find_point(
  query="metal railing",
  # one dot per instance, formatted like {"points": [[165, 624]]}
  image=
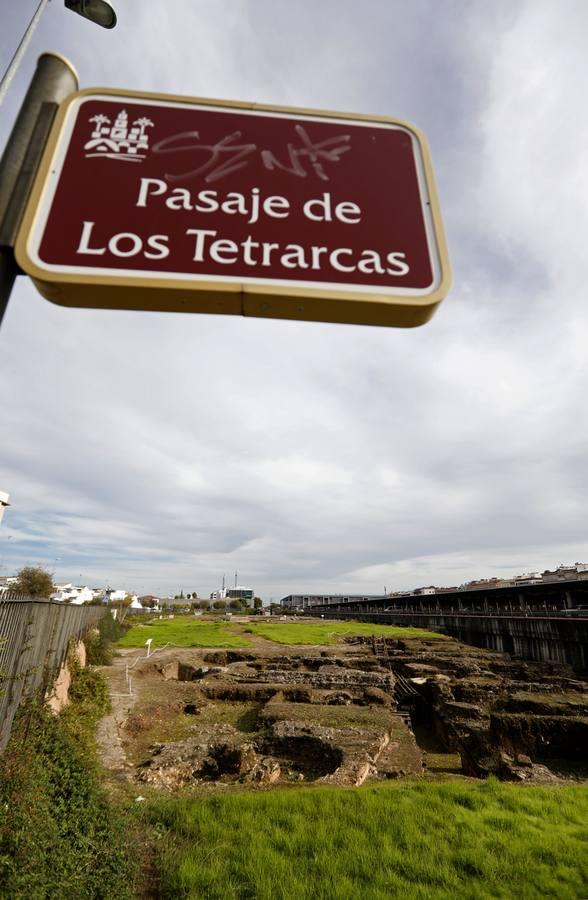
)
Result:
{"points": [[34, 639]]}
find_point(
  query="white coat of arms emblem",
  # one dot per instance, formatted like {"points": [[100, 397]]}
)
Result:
{"points": [[119, 140]]}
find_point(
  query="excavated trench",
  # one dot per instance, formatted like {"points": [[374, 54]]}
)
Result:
{"points": [[348, 715]]}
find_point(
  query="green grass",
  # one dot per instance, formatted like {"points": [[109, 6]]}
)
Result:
{"points": [[369, 717], [187, 632], [415, 840], [182, 632], [330, 632]]}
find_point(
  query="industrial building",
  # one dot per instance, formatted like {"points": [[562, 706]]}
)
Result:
{"points": [[306, 601]]}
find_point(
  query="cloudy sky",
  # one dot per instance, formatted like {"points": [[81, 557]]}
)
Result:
{"points": [[158, 451]]}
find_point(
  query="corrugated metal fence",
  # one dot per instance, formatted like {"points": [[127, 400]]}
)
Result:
{"points": [[34, 640]]}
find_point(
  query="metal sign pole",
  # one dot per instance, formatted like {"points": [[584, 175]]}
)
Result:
{"points": [[20, 51], [54, 79]]}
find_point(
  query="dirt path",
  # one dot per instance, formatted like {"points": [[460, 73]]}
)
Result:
{"points": [[108, 732]]}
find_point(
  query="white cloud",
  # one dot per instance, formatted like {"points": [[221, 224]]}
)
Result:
{"points": [[164, 450]]}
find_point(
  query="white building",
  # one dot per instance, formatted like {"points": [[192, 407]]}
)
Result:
{"points": [[75, 594], [7, 583], [112, 596]]}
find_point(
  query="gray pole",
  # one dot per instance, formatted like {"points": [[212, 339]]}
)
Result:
{"points": [[54, 79], [20, 51]]}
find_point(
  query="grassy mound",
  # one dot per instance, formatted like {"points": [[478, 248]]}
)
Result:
{"points": [[330, 632], [417, 840], [182, 632]]}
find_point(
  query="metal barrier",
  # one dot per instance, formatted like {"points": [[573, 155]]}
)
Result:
{"points": [[34, 639]]}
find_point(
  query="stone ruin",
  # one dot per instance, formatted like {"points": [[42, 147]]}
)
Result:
{"points": [[346, 715], [320, 719], [520, 721]]}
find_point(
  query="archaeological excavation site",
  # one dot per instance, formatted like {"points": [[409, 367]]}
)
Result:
{"points": [[361, 710]]}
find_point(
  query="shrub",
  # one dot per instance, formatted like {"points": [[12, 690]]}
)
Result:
{"points": [[59, 835], [99, 642], [34, 581]]}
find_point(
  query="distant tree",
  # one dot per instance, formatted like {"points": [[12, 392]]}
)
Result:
{"points": [[123, 607], [181, 595], [194, 595], [219, 604], [257, 604], [235, 605], [204, 604], [148, 602], [34, 581]]}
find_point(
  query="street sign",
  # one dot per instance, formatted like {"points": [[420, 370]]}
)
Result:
{"points": [[153, 202]]}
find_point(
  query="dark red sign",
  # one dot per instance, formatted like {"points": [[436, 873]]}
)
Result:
{"points": [[214, 201]]}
